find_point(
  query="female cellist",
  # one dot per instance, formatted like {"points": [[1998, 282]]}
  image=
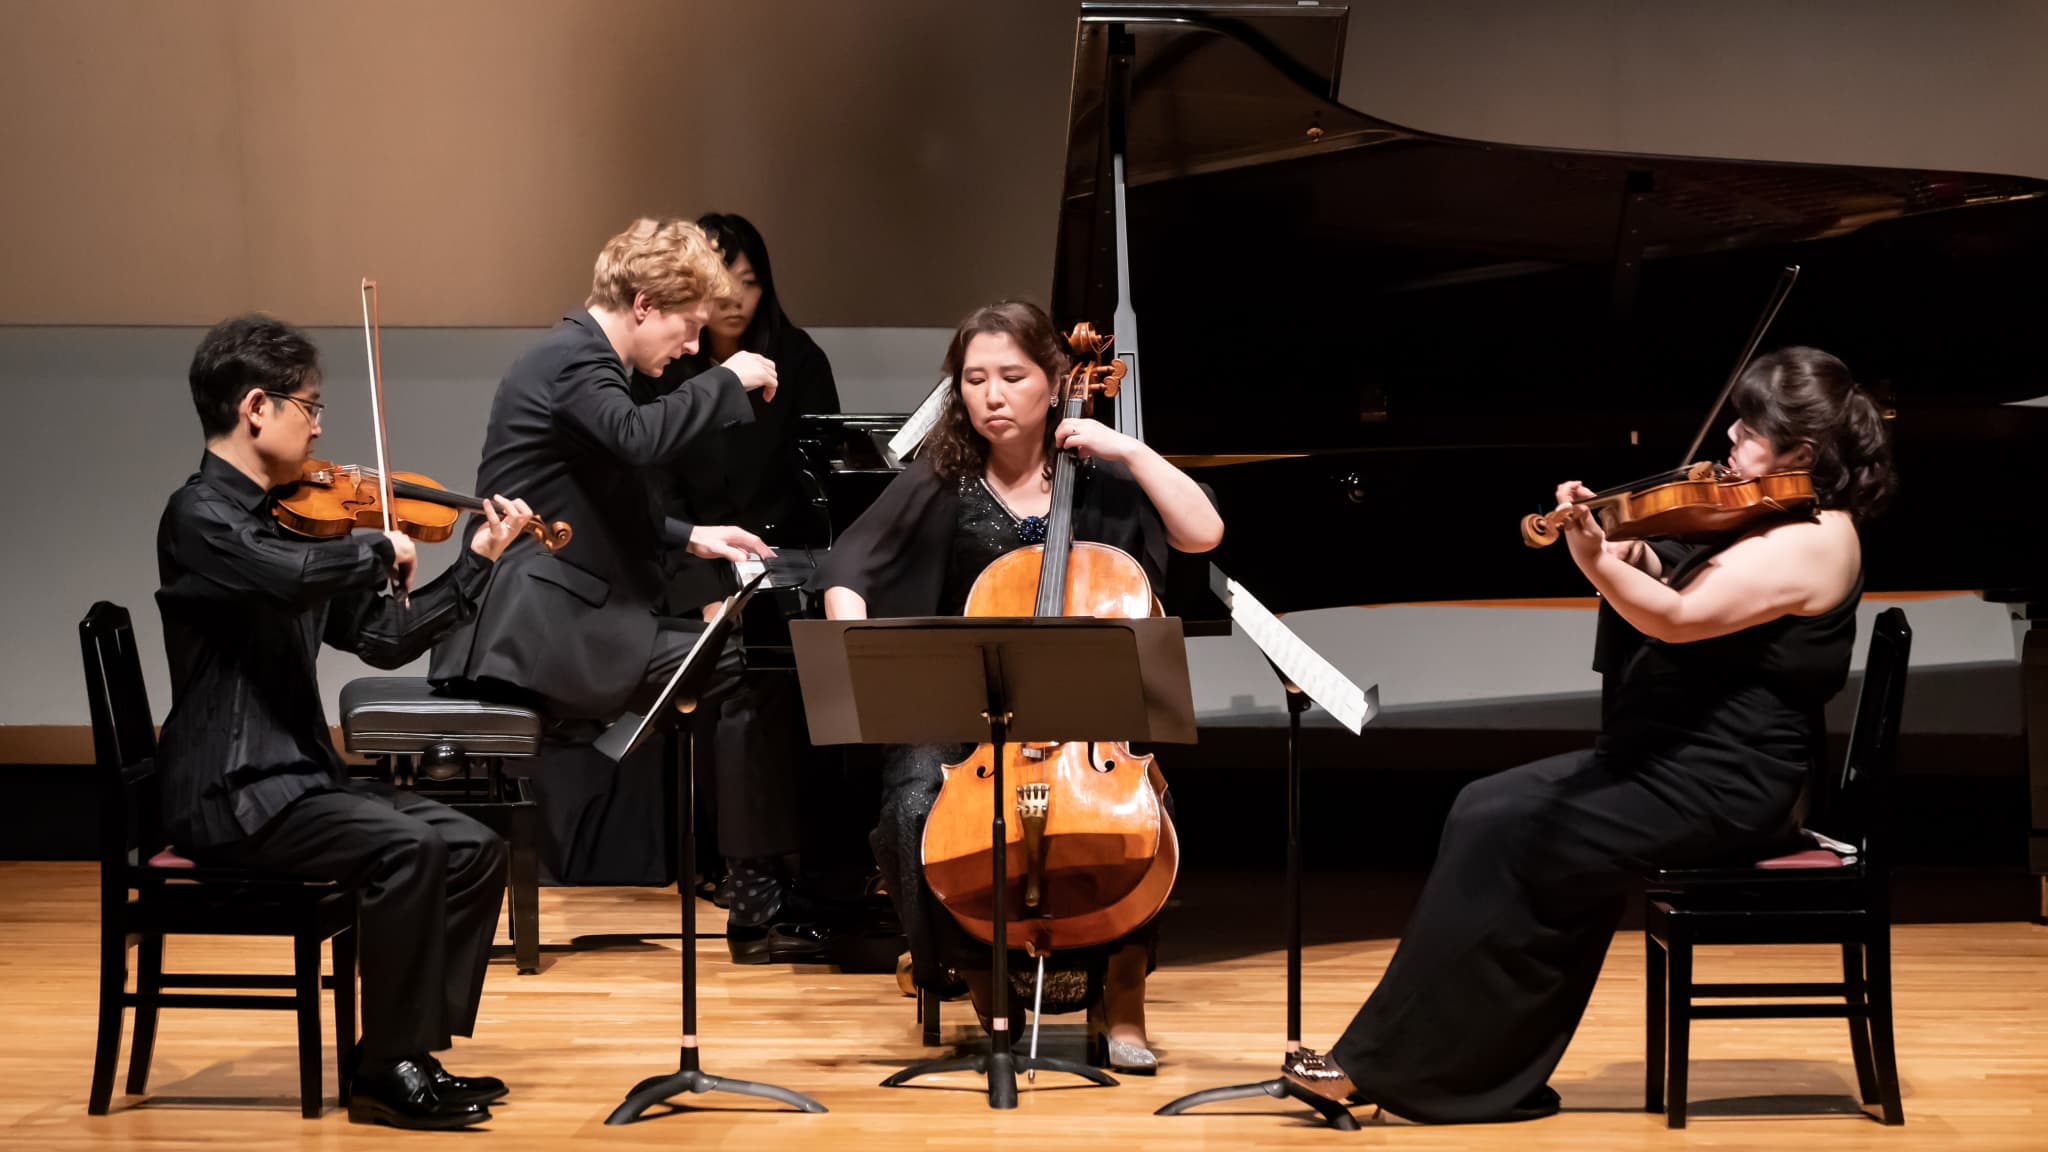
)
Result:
{"points": [[1711, 725], [980, 488]]}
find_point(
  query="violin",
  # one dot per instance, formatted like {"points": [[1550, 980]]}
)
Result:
{"points": [[335, 499], [331, 500], [1093, 853], [1696, 501]]}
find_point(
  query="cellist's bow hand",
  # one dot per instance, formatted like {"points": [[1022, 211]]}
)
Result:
{"points": [[504, 520]]}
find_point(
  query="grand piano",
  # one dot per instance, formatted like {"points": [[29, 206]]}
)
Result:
{"points": [[1357, 332]]}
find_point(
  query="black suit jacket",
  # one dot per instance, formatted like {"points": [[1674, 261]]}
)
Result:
{"points": [[576, 628], [751, 474]]}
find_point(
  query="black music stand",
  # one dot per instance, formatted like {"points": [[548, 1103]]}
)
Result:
{"points": [[678, 698], [999, 679], [1280, 1087]]}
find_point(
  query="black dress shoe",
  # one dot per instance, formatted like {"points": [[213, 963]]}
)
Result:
{"points": [[402, 1095], [787, 942], [455, 1089]]}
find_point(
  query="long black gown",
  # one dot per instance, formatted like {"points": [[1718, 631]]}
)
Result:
{"points": [[1704, 755], [916, 552]]}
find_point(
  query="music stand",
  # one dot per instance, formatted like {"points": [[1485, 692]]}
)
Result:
{"points": [[1291, 661], [1000, 680], [679, 697]]}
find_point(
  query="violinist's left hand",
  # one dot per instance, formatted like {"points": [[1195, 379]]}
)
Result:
{"points": [[1582, 533], [1094, 438], [504, 520]]}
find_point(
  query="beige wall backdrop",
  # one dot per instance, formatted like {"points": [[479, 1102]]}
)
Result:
{"points": [[172, 161]]}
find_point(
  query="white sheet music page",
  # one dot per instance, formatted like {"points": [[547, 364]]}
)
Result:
{"points": [[908, 437], [1351, 705]]}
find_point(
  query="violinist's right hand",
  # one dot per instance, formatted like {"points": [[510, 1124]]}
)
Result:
{"points": [[404, 557], [754, 371]]}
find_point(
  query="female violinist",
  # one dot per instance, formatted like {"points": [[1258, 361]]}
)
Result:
{"points": [[1711, 726], [980, 488]]}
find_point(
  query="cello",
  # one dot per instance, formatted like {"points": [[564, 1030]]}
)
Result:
{"points": [[1092, 854]]}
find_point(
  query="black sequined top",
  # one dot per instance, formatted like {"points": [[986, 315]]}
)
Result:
{"points": [[919, 546]]}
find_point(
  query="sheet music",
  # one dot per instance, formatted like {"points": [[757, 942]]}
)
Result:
{"points": [[913, 432], [1352, 706]]}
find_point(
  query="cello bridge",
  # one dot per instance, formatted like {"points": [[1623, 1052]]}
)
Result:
{"points": [[1033, 801]]}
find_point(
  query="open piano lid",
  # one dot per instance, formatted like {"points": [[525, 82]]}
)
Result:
{"points": [[1380, 319]]}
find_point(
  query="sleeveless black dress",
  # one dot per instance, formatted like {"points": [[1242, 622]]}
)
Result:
{"points": [[1704, 756]]}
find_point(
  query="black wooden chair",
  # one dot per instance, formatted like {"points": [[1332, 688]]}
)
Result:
{"points": [[148, 892], [1837, 892]]}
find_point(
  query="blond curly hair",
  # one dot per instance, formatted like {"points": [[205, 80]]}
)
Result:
{"points": [[671, 260]]}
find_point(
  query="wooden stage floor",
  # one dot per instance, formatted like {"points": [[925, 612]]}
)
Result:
{"points": [[602, 1014]]}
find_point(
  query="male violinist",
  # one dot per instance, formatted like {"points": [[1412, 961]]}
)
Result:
{"points": [[249, 772]]}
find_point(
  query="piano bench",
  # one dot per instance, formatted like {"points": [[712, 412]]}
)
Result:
{"points": [[435, 744]]}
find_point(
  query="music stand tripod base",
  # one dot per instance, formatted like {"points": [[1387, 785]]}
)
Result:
{"points": [[1280, 1087], [678, 698]]}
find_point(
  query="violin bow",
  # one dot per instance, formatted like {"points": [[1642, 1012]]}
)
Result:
{"points": [[1763, 323], [373, 348]]}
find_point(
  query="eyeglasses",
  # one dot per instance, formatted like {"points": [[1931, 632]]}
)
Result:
{"points": [[312, 408]]}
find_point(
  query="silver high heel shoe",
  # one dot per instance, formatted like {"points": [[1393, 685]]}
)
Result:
{"points": [[1116, 1055]]}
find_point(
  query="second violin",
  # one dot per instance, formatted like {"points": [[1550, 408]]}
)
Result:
{"points": [[1702, 501]]}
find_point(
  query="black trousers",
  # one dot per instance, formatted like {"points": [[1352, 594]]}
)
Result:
{"points": [[609, 823], [430, 882], [1490, 980], [745, 762]]}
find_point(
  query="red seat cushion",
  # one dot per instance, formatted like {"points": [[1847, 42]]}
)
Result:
{"points": [[1811, 858], [169, 858]]}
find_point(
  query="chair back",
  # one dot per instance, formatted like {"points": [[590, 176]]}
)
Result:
{"points": [[1852, 800], [123, 739]]}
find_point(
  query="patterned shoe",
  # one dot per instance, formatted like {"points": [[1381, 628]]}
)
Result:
{"points": [[1319, 1074]]}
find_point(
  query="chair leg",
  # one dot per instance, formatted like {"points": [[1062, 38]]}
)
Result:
{"points": [[344, 1013], [522, 884], [928, 1015], [1679, 1029], [1653, 1023], [306, 969], [1877, 959], [1854, 992], [113, 988], [149, 984]]}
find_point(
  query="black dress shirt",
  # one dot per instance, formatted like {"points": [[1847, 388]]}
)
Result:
{"points": [[245, 607]]}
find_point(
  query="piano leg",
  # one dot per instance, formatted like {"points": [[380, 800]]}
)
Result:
{"points": [[2034, 697]]}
